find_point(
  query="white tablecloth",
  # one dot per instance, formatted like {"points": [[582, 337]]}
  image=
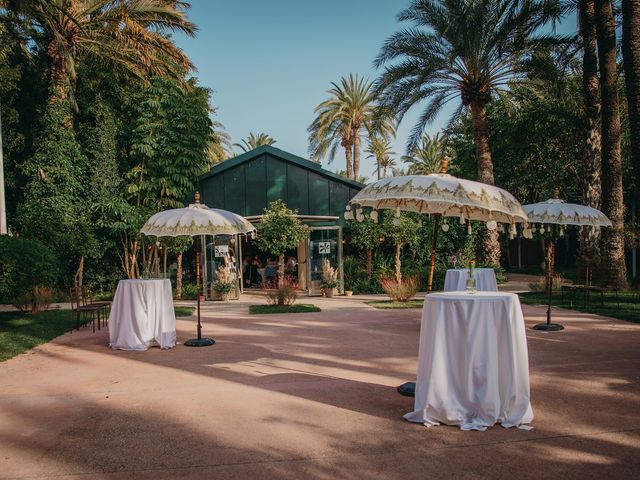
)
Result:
{"points": [[473, 367], [456, 280], [142, 315]]}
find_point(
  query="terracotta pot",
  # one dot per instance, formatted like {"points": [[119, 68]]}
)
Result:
{"points": [[348, 293], [329, 292]]}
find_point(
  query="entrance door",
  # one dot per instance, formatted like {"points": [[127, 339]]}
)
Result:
{"points": [[324, 243]]}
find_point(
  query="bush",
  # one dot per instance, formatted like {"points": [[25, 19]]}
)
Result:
{"points": [[25, 265], [37, 300], [189, 291], [400, 291], [285, 294], [541, 284]]}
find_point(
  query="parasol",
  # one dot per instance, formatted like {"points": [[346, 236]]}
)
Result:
{"points": [[442, 195], [196, 219], [557, 212]]}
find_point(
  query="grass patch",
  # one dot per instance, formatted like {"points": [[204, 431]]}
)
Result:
{"points": [[21, 331], [184, 311], [390, 304], [629, 303], [295, 308]]}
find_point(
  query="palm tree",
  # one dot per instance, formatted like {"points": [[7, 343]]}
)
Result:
{"points": [[631, 57], [592, 188], [380, 149], [390, 163], [458, 49], [426, 158], [131, 36], [254, 141], [612, 199], [341, 119]]}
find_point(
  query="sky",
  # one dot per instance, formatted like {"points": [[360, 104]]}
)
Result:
{"points": [[270, 63]]}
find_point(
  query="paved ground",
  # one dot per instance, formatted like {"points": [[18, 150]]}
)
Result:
{"points": [[310, 396]]}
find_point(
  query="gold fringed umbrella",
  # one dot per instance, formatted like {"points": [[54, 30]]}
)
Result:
{"points": [[558, 214], [441, 195], [194, 220]]}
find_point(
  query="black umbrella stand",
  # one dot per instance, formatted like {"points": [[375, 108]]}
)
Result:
{"points": [[549, 326], [199, 342]]}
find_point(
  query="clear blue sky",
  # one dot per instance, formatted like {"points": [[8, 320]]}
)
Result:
{"points": [[270, 63]]}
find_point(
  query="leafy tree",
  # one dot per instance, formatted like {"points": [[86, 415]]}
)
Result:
{"points": [[367, 236], [280, 230], [458, 49], [54, 210], [401, 229], [341, 119], [254, 141]]}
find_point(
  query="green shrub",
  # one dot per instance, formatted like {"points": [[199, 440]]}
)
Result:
{"points": [[189, 291], [25, 265]]}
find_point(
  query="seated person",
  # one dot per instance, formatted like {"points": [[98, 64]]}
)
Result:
{"points": [[290, 267]]}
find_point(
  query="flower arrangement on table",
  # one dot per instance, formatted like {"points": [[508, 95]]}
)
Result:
{"points": [[471, 279], [224, 284], [329, 280]]}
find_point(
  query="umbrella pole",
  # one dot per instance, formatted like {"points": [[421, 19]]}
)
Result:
{"points": [[199, 342], [408, 389], [548, 326], [432, 260]]}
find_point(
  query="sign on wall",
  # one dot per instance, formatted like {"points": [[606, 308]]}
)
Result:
{"points": [[324, 248], [221, 250]]}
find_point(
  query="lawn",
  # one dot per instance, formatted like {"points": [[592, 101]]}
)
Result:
{"points": [[184, 311], [21, 331], [629, 304], [390, 304], [296, 308]]}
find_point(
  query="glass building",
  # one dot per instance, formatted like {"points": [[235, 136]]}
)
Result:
{"points": [[247, 184]]}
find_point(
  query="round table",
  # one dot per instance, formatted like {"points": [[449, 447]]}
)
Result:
{"points": [[142, 315], [473, 367], [456, 280]]}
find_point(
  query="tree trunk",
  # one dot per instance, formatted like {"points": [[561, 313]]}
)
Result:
{"points": [[347, 155], [591, 180], [398, 264], [612, 200], [488, 245], [57, 73], [356, 153], [280, 270], [369, 264], [77, 280], [179, 277], [631, 61], [378, 168]]}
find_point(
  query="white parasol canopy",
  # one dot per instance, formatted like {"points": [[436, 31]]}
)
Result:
{"points": [[556, 211], [196, 219], [443, 194]]}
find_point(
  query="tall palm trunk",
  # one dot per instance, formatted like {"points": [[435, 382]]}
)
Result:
{"points": [[378, 167], [612, 200], [356, 153], [631, 57], [348, 158], [591, 180], [488, 247]]}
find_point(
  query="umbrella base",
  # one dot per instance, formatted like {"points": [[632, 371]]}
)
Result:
{"points": [[549, 327], [199, 342], [407, 389]]}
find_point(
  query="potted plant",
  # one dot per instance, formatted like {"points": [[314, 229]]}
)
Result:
{"points": [[329, 282], [224, 284]]}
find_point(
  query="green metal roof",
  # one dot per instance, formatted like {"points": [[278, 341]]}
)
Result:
{"points": [[281, 154]]}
